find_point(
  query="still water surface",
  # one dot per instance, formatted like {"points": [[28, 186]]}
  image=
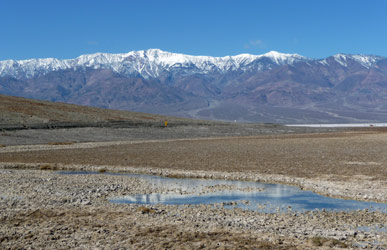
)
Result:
{"points": [[261, 197]]}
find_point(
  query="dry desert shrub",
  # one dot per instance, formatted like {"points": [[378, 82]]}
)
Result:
{"points": [[146, 210], [2, 146], [61, 143], [47, 167], [176, 176], [327, 242]]}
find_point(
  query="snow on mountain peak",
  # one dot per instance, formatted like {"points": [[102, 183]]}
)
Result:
{"points": [[341, 59], [277, 54], [152, 62], [366, 61], [282, 58]]}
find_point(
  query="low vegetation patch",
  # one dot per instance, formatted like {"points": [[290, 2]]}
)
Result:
{"points": [[176, 176], [2, 146], [146, 210], [102, 170], [61, 143], [327, 242], [47, 167]]}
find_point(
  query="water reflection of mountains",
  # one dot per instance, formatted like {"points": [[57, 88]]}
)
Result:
{"points": [[279, 198], [272, 191], [274, 196]]}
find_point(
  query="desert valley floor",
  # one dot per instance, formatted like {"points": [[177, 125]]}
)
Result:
{"points": [[43, 209]]}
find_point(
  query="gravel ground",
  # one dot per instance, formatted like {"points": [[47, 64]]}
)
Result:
{"points": [[108, 134], [345, 164], [42, 209]]}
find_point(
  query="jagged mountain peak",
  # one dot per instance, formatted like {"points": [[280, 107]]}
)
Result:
{"points": [[283, 58], [245, 87], [148, 63], [151, 63], [277, 54], [366, 61]]}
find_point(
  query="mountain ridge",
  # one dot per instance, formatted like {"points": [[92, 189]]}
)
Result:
{"points": [[272, 87], [119, 62]]}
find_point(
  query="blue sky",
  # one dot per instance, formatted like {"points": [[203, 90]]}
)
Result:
{"points": [[313, 28]]}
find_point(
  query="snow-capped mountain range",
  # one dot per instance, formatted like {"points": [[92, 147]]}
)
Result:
{"points": [[147, 63], [272, 87], [152, 62]]}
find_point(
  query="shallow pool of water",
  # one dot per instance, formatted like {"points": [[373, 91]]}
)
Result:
{"points": [[257, 196]]}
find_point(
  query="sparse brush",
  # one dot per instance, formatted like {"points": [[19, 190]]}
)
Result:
{"points": [[173, 176], [46, 167], [2, 146], [60, 143], [146, 210], [102, 170], [322, 241]]}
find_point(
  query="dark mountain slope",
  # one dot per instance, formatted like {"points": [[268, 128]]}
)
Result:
{"points": [[273, 87]]}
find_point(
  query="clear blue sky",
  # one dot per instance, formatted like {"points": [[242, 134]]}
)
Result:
{"points": [[313, 28]]}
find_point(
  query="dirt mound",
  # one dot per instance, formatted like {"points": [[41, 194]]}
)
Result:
{"points": [[20, 113]]}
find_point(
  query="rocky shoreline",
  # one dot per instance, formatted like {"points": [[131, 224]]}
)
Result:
{"points": [[360, 188], [42, 209]]}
